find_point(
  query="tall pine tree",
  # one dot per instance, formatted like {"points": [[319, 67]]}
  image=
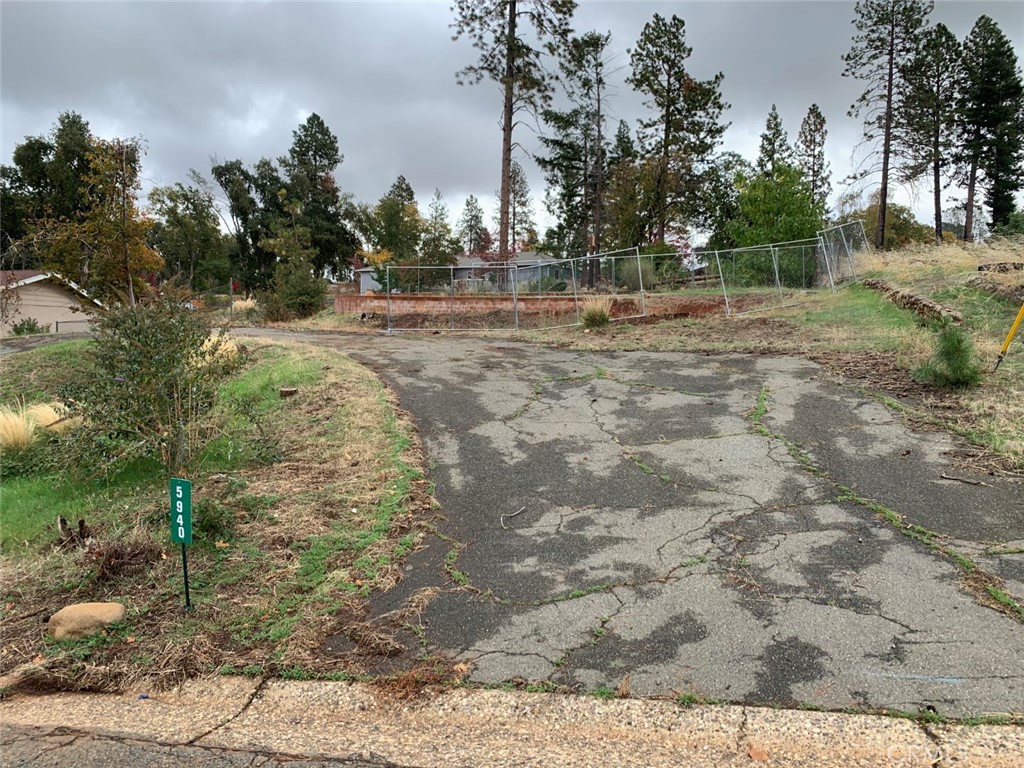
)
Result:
{"points": [[926, 112], [512, 37], [992, 122], [685, 128], [809, 155], [775, 150], [886, 39]]}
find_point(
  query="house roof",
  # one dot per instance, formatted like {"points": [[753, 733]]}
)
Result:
{"points": [[16, 278]]}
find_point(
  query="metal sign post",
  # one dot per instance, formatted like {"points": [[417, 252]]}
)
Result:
{"points": [[181, 524]]}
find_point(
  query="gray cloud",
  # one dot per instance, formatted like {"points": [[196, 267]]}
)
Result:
{"points": [[230, 80]]}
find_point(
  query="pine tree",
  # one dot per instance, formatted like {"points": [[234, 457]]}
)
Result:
{"points": [[809, 155], [472, 233], [992, 122], [886, 38], [926, 112], [499, 31], [686, 127], [575, 164], [775, 149], [439, 246]]}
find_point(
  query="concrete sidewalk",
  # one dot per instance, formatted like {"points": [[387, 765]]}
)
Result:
{"points": [[250, 722]]}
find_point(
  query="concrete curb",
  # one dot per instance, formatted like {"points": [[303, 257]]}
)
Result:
{"points": [[356, 722]]}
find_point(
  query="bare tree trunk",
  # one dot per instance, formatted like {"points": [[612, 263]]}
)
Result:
{"points": [[937, 192], [124, 225], [972, 183], [883, 194], [506, 135]]}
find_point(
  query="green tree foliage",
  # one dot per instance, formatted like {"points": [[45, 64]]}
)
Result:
{"points": [[886, 39], [992, 122], [575, 162], [520, 209], [721, 196], [256, 207], [902, 230], [775, 150], [774, 209], [45, 183], [298, 288], [686, 125], [926, 112], [512, 37], [809, 155], [439, 246], [472, 233], [104, 247], [394, 224], [187, 234]]}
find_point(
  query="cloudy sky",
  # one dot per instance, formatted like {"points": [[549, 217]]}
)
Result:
{"points": [[225, 80]]}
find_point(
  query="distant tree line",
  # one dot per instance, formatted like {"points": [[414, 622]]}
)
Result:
{"points": [[934, 109]]}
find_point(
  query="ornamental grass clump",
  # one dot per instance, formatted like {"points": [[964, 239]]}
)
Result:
{"points": [[597, 311]]}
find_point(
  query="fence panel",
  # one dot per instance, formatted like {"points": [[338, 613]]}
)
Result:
{"points": [[513, 296]]}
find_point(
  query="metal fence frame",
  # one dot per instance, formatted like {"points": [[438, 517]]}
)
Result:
{"points": [[511, 283], [831, 252]]}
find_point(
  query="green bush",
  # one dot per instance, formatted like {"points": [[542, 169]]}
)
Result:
{"points": [[28, 326], [626, 272], [296, 292], [152, 381], [953, 364]]}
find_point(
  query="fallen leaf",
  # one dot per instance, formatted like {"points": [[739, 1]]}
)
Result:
{"points": [[221, 544], [129, 639]]}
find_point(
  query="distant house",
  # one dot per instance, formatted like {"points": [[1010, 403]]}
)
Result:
{"points": [[473, 273], [46, 297]]}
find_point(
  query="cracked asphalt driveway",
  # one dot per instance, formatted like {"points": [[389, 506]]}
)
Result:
{"points": [[708, 526]]}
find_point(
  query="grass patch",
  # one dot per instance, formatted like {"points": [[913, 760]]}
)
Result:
{"points": [[38, 374], [283, 554]]}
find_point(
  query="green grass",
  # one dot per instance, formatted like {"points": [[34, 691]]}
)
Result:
{"points": [[36, 375], [29, 506]]}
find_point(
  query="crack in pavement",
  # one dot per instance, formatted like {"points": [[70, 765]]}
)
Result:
{"points": [[253, 695]]}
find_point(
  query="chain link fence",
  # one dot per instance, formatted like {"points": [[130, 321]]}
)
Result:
{"points": [[513, 295], [767, 277]]}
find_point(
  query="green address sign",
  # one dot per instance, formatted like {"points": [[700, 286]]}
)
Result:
{"points": [[181, 511]]}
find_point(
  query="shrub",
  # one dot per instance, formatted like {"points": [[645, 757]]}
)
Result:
{"points": [[597, 311], [953, 364], [296, 292], [629, 273], [153, 379], [28, 326]]}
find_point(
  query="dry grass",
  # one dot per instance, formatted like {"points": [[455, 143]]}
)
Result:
{"points": [[53, 417], [16, 431], [596, 311], [243, 305], [225, 349]]}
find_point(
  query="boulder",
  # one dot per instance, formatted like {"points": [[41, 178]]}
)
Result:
{"points": [[83, 619]]}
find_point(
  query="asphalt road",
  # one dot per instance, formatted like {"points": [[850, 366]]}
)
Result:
{"points": [[708, 526]]}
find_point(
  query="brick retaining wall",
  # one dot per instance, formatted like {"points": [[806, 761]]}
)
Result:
{"points": [[403, 304]]}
